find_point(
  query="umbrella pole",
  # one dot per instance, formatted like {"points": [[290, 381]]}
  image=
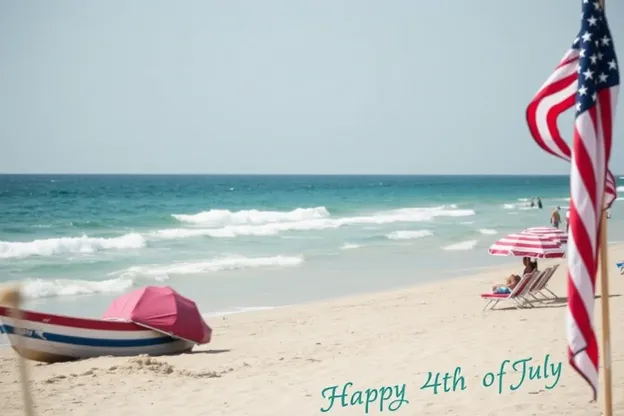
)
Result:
{"points": [[12, 298]]}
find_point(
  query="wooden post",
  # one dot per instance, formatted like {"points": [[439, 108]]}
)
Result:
{"points": [[606, 330], [604, 296], [12, 298]]}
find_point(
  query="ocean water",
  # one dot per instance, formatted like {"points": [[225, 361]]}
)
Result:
{"points": [[235, 243]]}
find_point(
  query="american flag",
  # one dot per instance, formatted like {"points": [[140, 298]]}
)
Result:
{"points": [[558, 94], [587, 79]]}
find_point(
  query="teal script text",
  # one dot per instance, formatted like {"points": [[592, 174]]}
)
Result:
{"points": [[511, 375], [523, 370], [389, 398]]}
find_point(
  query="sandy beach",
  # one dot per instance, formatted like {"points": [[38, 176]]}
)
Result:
{"points": [[278, 362]]}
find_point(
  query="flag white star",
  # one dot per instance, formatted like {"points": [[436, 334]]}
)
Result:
{"points": [[592, 21], [594, 97], [578, 106], [586, 36], [582, 53], [605, 41], [603, 77], [589, 74], [612, 65], [597, 5], [600, 55], [593, 59], [582, 90]]}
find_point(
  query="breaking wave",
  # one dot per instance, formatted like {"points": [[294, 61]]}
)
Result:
{"points": [[41, 288], [409, 235], [464, 245], [239, 223], [164, 272], [488, 231], [123, 280], [84, 244], [317, 221], [223, 217]]}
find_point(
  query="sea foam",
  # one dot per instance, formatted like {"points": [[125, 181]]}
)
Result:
{"points": [[123, 280], [313, 224], [84, 244], [164, 272], [222, 217], [464, 245], [409, 235], [40, 288]]}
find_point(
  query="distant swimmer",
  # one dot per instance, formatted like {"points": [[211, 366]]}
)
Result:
{"points": [[555, 218], [539, 202], [532, 204]]}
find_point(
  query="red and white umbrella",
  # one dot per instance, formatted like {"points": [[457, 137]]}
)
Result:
{"points": [[549, 232], [527, 245]]}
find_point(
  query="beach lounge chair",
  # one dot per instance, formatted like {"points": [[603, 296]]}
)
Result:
{"points": [[538, 282], [518, 295], [541, 286]]}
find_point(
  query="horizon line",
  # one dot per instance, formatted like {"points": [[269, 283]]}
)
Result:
{"points": [[270, 174]]}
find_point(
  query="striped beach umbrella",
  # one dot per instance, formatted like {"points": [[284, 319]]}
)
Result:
{"points": [[549, 232], [527, 245]]}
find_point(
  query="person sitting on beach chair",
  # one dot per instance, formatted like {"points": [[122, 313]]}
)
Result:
{"points": [[513, 279], [509, 285], [529, 265]]}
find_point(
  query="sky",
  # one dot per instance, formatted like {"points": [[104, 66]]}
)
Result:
{"points": [[282, 86]]}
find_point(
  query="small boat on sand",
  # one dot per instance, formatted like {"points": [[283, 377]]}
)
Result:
{"points": [[152, 320], [54, 338]]}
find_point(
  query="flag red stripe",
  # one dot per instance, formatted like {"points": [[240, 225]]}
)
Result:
{"points": [[604, 102]]}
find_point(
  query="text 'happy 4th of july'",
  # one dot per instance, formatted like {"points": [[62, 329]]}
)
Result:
{"points": [[510, 376]]}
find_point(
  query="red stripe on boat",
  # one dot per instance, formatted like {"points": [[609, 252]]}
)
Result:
{"points": [[81, 323]]}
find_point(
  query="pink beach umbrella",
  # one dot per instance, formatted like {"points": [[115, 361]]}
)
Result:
{"points": [[161, 309], [527, 245], [549, 232]]}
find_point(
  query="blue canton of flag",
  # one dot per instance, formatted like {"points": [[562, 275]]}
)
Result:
{"points": [[598, 67]]}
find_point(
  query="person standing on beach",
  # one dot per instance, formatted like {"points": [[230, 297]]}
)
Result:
{"points": [[567, 219], [555, 218], [539, 202]]}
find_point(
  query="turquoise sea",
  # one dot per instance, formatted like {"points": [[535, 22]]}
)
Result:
{"points": [[235, 243]]}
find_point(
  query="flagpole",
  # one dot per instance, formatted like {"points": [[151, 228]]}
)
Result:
{"points": [[606, 331], [12, 298], [604, 295]]}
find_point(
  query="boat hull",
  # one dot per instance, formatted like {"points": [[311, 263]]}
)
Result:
{"points": [[55, 338]]}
